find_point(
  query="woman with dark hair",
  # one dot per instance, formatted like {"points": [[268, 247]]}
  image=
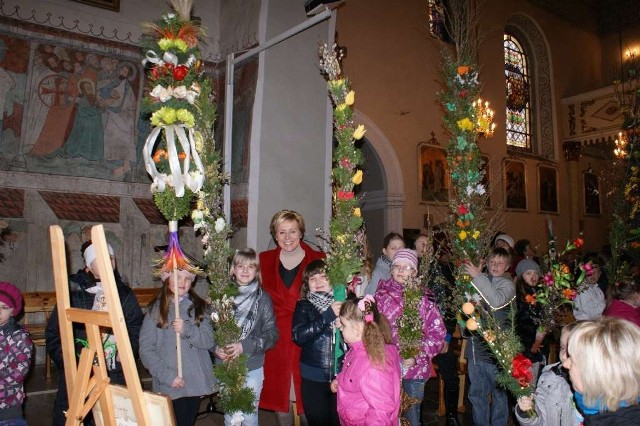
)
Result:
{"points": [[282, 270], [391, 244]]}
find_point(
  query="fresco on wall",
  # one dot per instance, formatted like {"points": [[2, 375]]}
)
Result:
{"points": [[70, 111]]}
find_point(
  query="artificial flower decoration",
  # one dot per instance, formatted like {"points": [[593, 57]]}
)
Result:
{"points": [[521, 370], [357, 178], [462, 69], [465, 124], [343, 246]]}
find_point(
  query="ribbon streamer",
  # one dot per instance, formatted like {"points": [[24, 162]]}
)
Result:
{"points": [[179, 176]]}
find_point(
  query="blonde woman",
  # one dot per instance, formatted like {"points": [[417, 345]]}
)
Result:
{"points": [[604, 366]]}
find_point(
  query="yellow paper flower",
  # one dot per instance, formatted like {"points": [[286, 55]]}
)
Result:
{"points": [[351, 98], [359, 132], [341, 238], [462, 235], [356, 212], [186, 117], [341, 107], [181, 45], [476, 235], [337, 84], [163, 116], [357, 178], [465, 124]]}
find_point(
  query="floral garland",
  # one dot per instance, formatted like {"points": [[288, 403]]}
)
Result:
{"points": [[180, 101], [468, 199], [343, 259], [344, 251]]}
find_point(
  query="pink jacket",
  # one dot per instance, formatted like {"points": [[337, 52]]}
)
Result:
{"points": [[620, 309], [369, 395], [389, 297]]}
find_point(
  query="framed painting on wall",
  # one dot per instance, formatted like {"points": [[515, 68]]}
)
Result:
{"points": [[591, 192], [105, 4], [547, 189], [433, 174], [515, 184]]}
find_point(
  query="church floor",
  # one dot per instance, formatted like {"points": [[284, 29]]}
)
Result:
{"points": [[40, 397]]}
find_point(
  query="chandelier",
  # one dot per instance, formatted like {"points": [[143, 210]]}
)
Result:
{"points": [[620, 151], [484, 118]]}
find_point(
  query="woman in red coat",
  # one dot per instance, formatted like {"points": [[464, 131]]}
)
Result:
{"points": [[282, 270]]}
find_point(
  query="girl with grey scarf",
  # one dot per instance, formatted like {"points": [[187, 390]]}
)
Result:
{"points": [[254, 315]]}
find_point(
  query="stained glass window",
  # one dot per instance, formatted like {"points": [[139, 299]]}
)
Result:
{"points": [[437, 16], [516, 72]]}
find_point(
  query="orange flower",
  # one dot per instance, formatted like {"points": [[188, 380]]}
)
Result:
{"points": [[159, 155], [463, 69], [182, 156], [569, 293], [530, 299], [565, 269]]}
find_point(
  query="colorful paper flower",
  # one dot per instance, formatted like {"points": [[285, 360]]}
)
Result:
{"points": [[462, 209], [357, 178], [358, 133], [465, 124], [521, 370], [350, 98], [345, 195], [357, 212], [462, 69], [462, 235]]}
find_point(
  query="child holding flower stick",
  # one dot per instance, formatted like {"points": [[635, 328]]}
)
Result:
{"points": [[416, 325], [257, 329], [528, 312], [369, 384]]}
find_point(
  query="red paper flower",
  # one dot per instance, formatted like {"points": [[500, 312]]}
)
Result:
{"points": [[463, 93], [530, 299], [578, 242], [521, 370], [569, 293], [346, 163], [180, 72], [345, 195], [462, 209]]}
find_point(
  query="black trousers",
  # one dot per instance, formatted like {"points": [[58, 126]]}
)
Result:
{"points": [[186, 410], [320, 404]]}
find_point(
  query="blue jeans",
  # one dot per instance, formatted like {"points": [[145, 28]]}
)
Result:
{"points": [[254, 381], [18, 421], [415, 389], [482, 383]]}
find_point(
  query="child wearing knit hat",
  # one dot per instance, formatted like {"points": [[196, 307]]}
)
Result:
{"points": [[527, 312], [15, 355], [391, 303]]}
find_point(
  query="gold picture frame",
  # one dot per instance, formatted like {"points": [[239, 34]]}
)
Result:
{"points": [[547, 189], [433, 174], [515, 184]]}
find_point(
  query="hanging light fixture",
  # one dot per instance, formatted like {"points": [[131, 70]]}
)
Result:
{"points": [[484, 118], [620, 151]]}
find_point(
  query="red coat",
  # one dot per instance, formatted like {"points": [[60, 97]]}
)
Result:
{"points": [[283, 360]]}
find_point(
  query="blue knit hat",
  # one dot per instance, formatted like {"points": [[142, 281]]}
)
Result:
{"points": [[408, 256]]}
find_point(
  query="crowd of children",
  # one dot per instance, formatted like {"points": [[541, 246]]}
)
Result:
{"points": [[595, 381]]}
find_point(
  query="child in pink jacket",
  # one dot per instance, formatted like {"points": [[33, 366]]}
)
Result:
{"points": [[369, 384]]}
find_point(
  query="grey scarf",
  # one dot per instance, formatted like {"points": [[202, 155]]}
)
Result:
{"points": [[320, 300], [246, 303]]}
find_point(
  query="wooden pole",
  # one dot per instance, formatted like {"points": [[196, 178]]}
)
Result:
{"points": [[173, 227]]}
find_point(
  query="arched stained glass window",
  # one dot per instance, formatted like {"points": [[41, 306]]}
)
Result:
{"points": [[516, 72]]}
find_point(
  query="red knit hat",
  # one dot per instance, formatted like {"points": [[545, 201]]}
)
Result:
{"points": [[10, 295]]}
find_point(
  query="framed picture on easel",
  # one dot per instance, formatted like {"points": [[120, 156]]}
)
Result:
{"points": [[105, 4]]}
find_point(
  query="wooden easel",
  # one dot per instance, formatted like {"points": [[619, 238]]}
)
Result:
{"points": [[88, 382]]}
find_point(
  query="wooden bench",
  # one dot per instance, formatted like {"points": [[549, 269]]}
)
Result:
{"points": [[37, 309], [38, 306]]}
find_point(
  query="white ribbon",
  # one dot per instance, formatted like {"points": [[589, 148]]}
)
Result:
{"points": [[179, 177], [152, 57], [170, 58]]}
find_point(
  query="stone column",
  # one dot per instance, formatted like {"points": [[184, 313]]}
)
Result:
{"points": [[572, 153]]}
